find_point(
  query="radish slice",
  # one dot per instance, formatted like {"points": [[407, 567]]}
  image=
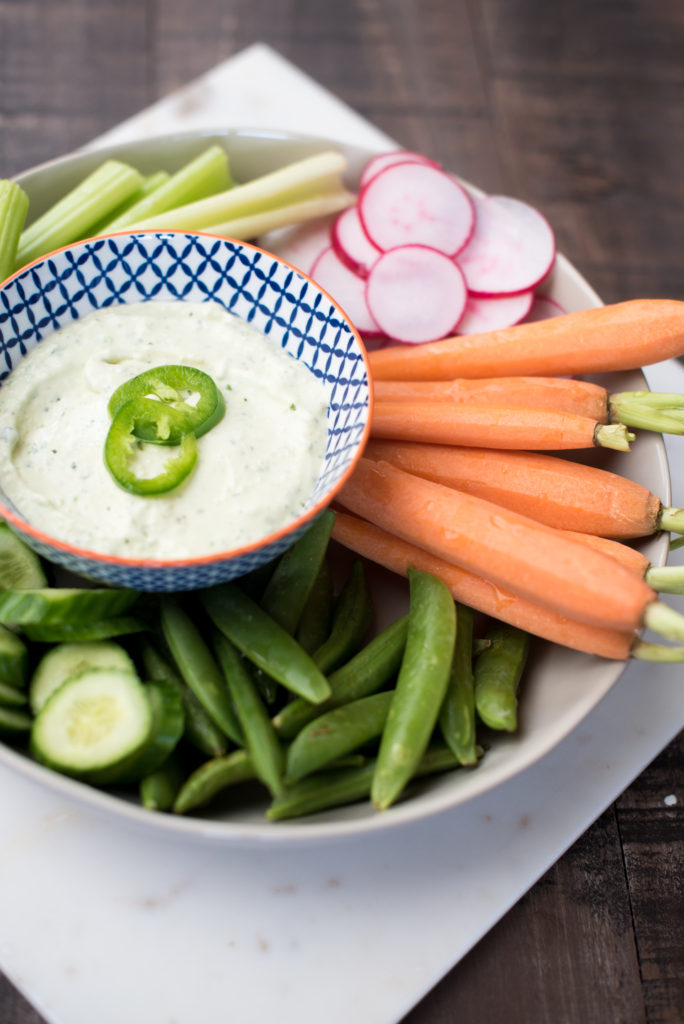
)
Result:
{"points": [[416, 294], [346, 288], [512, 248], [491, 313], [300, 244], [397, 156], [416, 204], [543, 308], [351, 243]]}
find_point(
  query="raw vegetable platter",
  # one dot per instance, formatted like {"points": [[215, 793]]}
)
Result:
{"points": [[560, 686]]}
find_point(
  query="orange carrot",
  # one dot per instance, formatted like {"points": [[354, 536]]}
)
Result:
{"points": [[547, 488], [493, 426], [623, 336], [509, 550], [398, 555], [581, 397], [634, 560]]}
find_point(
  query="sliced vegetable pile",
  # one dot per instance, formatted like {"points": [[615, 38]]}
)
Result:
{"points": [[271, 680]]}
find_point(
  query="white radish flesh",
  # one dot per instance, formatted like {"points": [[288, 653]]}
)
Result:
{"points": [[416, 294], [493, 312], [512, 248], [397, 156], [351, 243], [346, 288], [416, 204]]}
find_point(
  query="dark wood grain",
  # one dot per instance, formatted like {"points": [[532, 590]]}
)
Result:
{"points": [[574, 106]]}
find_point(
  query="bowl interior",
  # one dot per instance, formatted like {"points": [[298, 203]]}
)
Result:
{"points": [[561, 687]]}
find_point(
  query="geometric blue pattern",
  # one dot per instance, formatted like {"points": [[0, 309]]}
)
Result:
{"points": [[165, 265]]}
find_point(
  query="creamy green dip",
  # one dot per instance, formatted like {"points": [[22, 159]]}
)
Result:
{"points": [[256, 468]]}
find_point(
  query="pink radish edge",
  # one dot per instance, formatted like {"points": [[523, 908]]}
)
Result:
{"points": [[347, 289], [396, 156], [494, 312], [351, 243]]}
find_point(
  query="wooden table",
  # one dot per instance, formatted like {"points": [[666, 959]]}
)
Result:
{"points": [[576, 107]]}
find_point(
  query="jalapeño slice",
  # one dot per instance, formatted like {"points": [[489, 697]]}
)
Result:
{"points": [[173, 385], [123, 444]]}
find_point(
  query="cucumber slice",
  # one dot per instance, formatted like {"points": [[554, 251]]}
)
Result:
{"points": [[14, 722], [95, 720], [70, 659], [20, 566], [10, 697], [122, 625], [13, 658], [63, 605]]}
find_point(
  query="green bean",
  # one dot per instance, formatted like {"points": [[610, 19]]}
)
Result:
{"points": [[211, 777], [159, 789], [260, 739], [368, 671], [421, 685], [333, 788], [10, 696], [288, 589], [200, 730], [335, 734], [199, 669], [457, 714], [264, 642], [498, 671], [351, 620], [314, 625]]}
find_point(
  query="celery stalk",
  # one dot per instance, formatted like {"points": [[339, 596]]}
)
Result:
{"points": [[13, 209], [73, 217], [150, 183], [314, 176], [255, 224], [203, 176]]}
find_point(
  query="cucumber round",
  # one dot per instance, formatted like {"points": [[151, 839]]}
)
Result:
{"points": [[20, 566], [70, 659], [95, 720]]}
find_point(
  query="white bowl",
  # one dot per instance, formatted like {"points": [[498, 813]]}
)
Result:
{"points": [[561, 687]]}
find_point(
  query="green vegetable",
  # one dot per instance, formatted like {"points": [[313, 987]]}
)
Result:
{"points": [[159, 789], [151, 182], [211, 777], [457, 714], [421, 685], [264, 642], [10, 696], [198, 668], [20, 566], [169, 384], [70, 659], [292, 581], [335, 734], [316, 620], [122, 447], [13, 658], [13, 209], [73, 217], [83, 632], [351, 620], [14, 722], [63, 606], [498, 671]]}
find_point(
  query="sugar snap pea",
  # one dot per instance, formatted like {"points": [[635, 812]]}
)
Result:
{"points": [[159, 789], [314, 625], [264, 642], [351, 620], [211, 777], [421, 685], [200, 729], [368, 671], [498, 671], [198, 668], [260, 739], [10, 696], [13, 658], [457, 714], [336, 733], [290, 585], [14, 721]]}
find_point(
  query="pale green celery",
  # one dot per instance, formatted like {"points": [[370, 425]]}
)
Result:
{"points": [[255, 224], [13, 209], [648, 410], [671, 520], [664, 620], [73, 217], [203, 176], [645, 651], [666, 579], [315, 176], [149, 185]]}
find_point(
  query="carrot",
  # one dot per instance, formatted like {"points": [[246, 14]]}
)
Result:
{"points": [[398, 555], [552, 490], [509, 550], [581, 397], [493, 426], [634, 560], [623, 336]]}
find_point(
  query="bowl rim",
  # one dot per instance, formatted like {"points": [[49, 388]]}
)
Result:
{"points": [[233, 553]]}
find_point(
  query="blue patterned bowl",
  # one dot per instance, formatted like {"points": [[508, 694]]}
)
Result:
{"points": [[142, 266]]}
